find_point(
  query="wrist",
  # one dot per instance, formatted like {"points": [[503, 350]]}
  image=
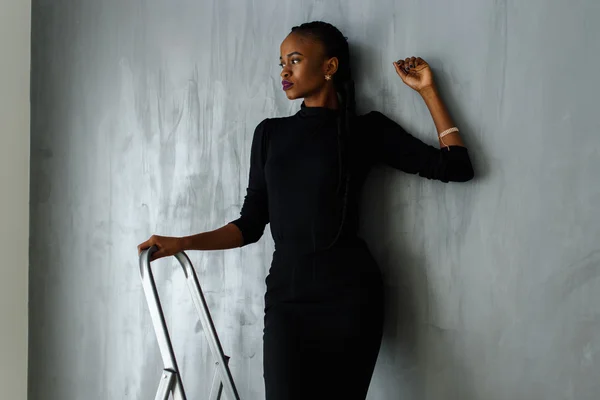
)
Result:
{"points": [[428, 92], [184, 243]]}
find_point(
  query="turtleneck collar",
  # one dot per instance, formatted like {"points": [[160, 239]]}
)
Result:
{"points": [[317, 111]]}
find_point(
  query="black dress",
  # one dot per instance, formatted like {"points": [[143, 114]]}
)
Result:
{"points": [[324, 304]]}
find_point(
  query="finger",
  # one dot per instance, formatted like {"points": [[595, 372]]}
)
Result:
{"points": [[148, 243], [143, 246], [399, 65], [413, 62], [158, 254]]}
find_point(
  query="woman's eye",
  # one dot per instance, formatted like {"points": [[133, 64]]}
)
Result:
{"points": [[293, 62]]}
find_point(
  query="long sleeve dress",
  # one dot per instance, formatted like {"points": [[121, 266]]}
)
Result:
{"points": [[324, 304]]}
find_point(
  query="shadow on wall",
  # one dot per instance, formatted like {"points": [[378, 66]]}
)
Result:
{"points": [[420, 358]]}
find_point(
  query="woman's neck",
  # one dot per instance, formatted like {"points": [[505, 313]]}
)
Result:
{"points": [[327, 99]]}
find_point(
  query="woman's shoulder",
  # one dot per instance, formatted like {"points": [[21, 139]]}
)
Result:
{"points": [[373, 115], [372, 120], [274, 124], [270, 125]]}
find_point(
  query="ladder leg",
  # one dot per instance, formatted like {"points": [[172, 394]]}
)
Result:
{"points": [[164, 387], [222, 381], [160, 329], [209, 327], [216, 389], [177, 391]]}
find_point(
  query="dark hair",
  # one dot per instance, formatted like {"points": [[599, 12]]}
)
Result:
{"points": [[336, 45]]}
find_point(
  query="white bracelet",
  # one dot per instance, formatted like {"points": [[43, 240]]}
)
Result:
{"points": [[447, 131]]}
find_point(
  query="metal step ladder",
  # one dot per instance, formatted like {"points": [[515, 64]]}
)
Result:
{"points": [[170, 381]]}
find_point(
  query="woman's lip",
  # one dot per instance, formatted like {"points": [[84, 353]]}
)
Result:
{"points": [[287, 85]]}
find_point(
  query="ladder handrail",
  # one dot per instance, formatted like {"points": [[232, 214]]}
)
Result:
{"points": [[160, 326]]}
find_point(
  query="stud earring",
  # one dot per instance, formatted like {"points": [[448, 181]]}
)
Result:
{"points": [[328, 77]]}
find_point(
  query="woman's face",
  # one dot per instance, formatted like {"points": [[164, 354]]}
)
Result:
{"points": [[304, 66]]}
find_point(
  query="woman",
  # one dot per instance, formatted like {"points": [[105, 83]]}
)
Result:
{"points": [[324, 300]]}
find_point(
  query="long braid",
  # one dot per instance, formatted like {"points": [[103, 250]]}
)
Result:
{"points": [[336, 45], [344, 129]]}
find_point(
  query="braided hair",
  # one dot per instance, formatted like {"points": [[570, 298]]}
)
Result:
{"points": [[336, 45]]}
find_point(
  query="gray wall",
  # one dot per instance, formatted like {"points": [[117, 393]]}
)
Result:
{"points": [[15, 56], [143, 113]]}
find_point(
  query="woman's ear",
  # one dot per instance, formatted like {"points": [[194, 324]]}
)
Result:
{"points": [[331, 66]]}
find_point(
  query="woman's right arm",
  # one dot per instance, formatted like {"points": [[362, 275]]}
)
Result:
{"points": [[246, 229], [254, 216], [226, 237]]}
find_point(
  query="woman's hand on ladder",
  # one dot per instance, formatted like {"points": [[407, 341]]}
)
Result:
{"points": [[167, 246]]}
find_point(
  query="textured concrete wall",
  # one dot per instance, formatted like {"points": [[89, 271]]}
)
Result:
{"points": [[15, 52], [143, 113]]}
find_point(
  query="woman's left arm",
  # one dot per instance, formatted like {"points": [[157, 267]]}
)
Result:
{"points": [[416, 74], [399, 149]]}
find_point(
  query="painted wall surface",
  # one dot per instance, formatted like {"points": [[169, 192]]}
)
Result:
{"points": [[15, 56], [143, 114]]}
